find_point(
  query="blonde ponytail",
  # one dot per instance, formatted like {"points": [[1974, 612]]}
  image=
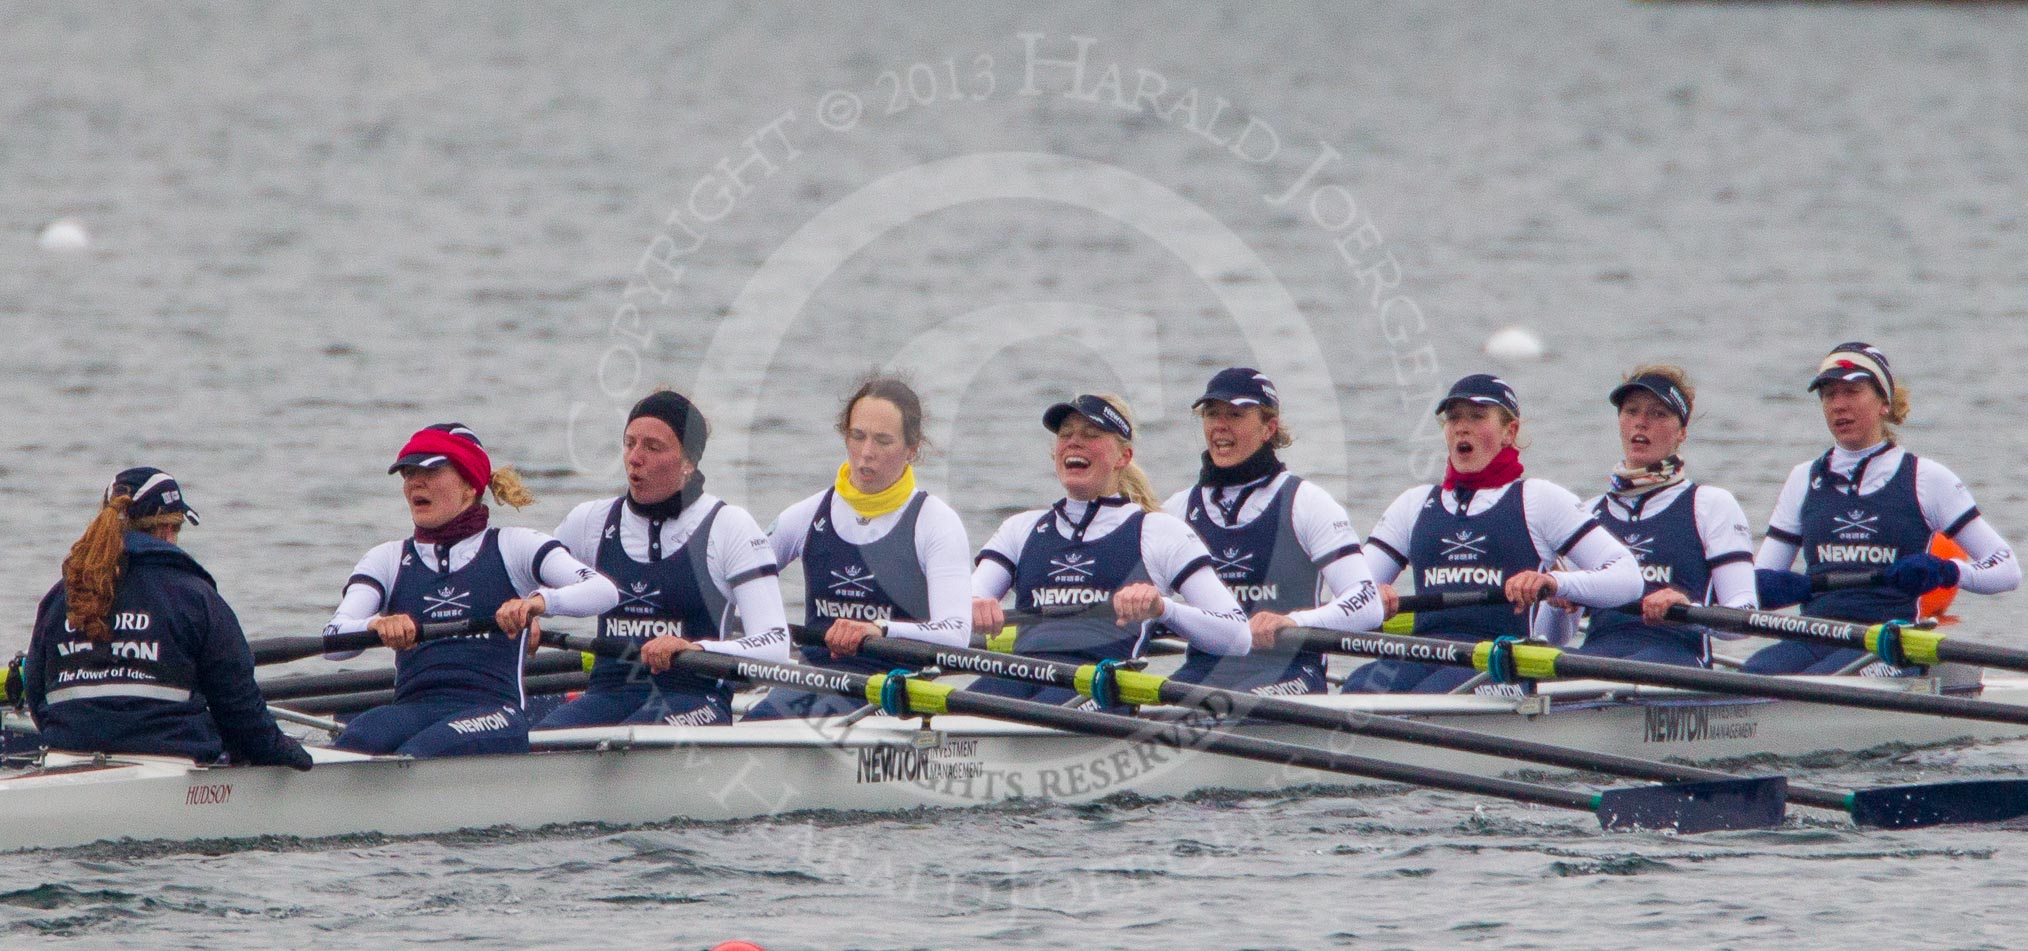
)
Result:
{"points": [[1131, 480], [508, 488], [1133, 483]]}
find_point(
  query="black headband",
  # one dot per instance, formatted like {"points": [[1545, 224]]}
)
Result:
{"points": [[683, 418]]}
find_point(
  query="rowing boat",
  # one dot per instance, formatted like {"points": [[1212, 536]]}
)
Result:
{"points": [[627, 775]]}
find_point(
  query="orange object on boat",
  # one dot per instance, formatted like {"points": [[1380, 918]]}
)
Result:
{"points": [[1934, 603]]}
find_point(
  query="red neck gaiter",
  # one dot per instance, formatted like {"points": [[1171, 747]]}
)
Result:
{"points": [[1505, 468]]}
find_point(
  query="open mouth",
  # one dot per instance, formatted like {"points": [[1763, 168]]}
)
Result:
{"points": [[1076, 463], [1639, 440], [1462, 448]]}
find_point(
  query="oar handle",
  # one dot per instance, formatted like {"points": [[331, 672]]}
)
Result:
{"points": [[618, 648], [1446, 600], [1102, 611], [1847, 580], [281, 650]]}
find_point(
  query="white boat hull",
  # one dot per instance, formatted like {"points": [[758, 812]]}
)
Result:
{"points": [[649, 774]]}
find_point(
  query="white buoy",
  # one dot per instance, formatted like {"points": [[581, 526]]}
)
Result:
{"points": [[64, 234], [1514, 343]]}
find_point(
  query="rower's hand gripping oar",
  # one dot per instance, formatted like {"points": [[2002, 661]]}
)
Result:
{"points": [[1688, 807], [1112, 684], [281, 650]]}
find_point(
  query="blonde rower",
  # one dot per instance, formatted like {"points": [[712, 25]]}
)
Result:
{"points": [[1106, 542]]}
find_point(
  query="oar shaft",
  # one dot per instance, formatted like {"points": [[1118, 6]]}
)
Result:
{"points": [[1548, 662], [1917, 644], [332, 727], [382, 678], [336, 703], [281, 650], [1446, 600]]}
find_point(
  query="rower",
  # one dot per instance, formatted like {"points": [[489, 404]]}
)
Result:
{"points": [[1279, 543], [1868, 503], [684, 560], [1691, 540], [459, 695], [134, 651], [881, 557], [1487, 528], [1105, 541]]}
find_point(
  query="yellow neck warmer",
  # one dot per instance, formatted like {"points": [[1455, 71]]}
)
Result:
{"points": [[870, 505]]}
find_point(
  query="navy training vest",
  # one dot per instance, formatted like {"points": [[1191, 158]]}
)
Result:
{"points": [[1671, 554], [1058, 573], [1456, 552], [474, 668], [1843, 530], [1262, 562], [672, 594], [882, 580]]}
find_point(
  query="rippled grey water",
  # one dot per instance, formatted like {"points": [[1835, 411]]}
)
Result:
{"points": [[317, 228]]}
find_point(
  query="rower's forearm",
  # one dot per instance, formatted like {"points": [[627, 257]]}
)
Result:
{"points": [[586, 598], [1992, 568], [771, 644], [943, 632], [1359, 609], [1733, 586], [1224, 634], [1611, 583], [759, 600]]}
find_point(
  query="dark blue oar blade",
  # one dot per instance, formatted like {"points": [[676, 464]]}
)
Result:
{"points": [[1930, 804], [1757, 802]]}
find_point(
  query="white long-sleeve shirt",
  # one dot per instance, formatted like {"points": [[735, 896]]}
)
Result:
{"points": [[942, 550]]}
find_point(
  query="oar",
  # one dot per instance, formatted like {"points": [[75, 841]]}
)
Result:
{"points": [[1898, 807], [1897, 644], [1402, 621], [1102, 611], [1520, 660], [1131, 686], [382, 678], [1841, 580], [368, 699], [281, 650], [1686, 807], [332, 727]]}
